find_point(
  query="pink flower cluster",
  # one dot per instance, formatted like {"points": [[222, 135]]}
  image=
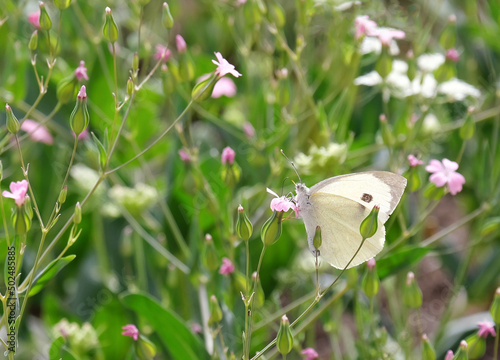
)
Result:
{"points": [[17, 192], [227, 267], [130, 330], [444, 173], [366, 27], [282, 203]]}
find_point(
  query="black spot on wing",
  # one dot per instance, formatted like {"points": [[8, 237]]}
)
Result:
{"points": [[367, 198]]}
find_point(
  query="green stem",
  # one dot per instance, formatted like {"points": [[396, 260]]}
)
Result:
{"points": [[497, 338], [140, 263]]}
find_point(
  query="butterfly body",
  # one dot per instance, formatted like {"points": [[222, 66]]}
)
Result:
{"points": [[339, 204]]}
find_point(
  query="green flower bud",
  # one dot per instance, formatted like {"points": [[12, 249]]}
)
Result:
{"points": [[384, 63], [79, 119], [21, 219], [462, 353], [110, 30], [66, 89], [469, 126], [78, 214], [135, 62], [244, 227], [271, 230], [278, 15], [414, 181], [186, 66], [167, 20], [144, 348], [447, 38], [210, 258], [143, 2], [495, 308], [284, 339], [62, 195], [203, 89], [33, 44], [476, 346], [491, 226], [428, 352], [45, 22], [412, 296], [62, 4], [259, 295], [130, 86], [12, 123], [412, 66], [386, 131], [317, 241], [369, 225], [215, 311], [1, 170], [371, 282]]}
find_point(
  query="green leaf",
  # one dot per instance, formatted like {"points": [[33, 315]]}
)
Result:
{"points": [[171, 329], [400, 260], [48, 273], [59, 351]]}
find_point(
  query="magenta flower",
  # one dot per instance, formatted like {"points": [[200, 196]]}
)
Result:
{"points": [[180, 43], [385, 35], [249, 130], [282, 203], [227, 267], [34, 19], [452, 55], [310, 354], [184, 155], [224, 87], [130, 330], [82, 94], [445, 173], [162, 53], [364, 26], [485, 328], [37, 131], [17, 192], [224, 67], [81, 71], [414, 161], [227, 156], [449, 355], [371, 263]]}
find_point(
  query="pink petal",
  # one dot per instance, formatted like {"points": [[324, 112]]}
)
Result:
{"points": [[224, 87], [434, 166], [450, 165], [439, 179], [455, 183], [37, 131]]}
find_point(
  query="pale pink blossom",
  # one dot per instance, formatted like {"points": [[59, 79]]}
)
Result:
{"points": [[452, 55], [248, 129], [445, 173], [196, 328], [81, 71], [17, 192], [282, 203], [37, 132], [84, 135], [364, 26], [34, 19], [449, 355], [310, 354], [162, 53], [414, 161], [227, 156], [184, 155], [371, 263], [385, 35], [224, 87], [180, 43], [82, 94], [485, 328], [130, 330], [224, 67], [227, 267]]}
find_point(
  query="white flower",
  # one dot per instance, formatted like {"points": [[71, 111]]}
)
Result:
{"points": [[425, 87], [370, 79], [457, 90], [373, 45], [430, 62], [431, 124]]}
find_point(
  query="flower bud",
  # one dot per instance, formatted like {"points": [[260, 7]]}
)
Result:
{"points": [[371, 282], [144, 348], [66, 89], [449, 355], [45, 22], [167, 20], [77, 218], [495, 307], [12, 123], [130, 86], [462, 353], [317, 241], [21, 217], [62, 195], [412, 296], [384, 63], [468, 128], [284, 339], [476, 346], [369, 225], [110, 30], [79, 119], [210, 258], [259, 295], [215, 311], [244, 227], [428, 352], [447, 38], [203, 89], [62, 4], [33, 44], [271, 230], [135, 62]]}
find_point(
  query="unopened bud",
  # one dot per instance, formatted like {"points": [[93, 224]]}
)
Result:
{"points": [[130, 86], [135, 62], [167, 19], [62, 195], [495, 307], [45, 22], [463, 351], [317, 241], [284, 339], [203, 89], [369, 225], [412, 295], [215, 311], [79, 119], [271, 230], [428, 352], [244, 227], [66, 89], [210, 258], [371, 282], [110, 30], [12, 123], [476, 346], [33, 44], [77, 218], [62, 4]]}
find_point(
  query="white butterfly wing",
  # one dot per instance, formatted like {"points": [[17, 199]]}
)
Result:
{"points": [[369, 188], [340, 219]]}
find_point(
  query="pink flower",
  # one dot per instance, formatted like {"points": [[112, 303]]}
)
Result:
{"points": [[37, 131], [184, 155], [224, 87], [414, 161], [364, 26], [385, 35], [18, 192], [180, 43], [224, 67], [162, 53], [82, 94], [130, 330], [485, 328], [34, 19], [452, 55], [81, 71], [227, 267], [310, 354], [282, 203], [449, 355], [445, 173], [196, 328], [371, 263], [249, 130], [227, 156]]}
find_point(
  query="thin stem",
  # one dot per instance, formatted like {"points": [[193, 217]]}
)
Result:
{"points": [[497, 338]]}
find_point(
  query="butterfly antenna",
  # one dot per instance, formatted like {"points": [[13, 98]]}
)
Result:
{"points": [[291, 163]]}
